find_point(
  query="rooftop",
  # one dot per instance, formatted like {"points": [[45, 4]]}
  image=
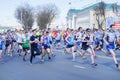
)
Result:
{"points": [[107, 6]]}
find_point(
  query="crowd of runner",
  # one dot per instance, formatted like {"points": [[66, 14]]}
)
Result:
{"points": [[40, 42]]}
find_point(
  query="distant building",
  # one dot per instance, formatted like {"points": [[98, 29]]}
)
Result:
{"points": [[86, 17], [6, 28], [10, 27]]}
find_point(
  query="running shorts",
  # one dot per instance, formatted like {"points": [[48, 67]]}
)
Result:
{"points": [[110, 46], [69, 46], [79, 42]]}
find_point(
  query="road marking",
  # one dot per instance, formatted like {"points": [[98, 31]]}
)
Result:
{"points": [[81, 67]]}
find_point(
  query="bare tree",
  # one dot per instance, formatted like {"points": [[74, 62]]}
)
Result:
{"points": [[100, 14], [46, 14], [25, 16]]}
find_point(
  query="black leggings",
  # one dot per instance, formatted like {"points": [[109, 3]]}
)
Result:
{"points": [[33, 54]]}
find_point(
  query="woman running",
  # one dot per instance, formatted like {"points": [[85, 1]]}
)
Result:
{"points": [[86, 47]]}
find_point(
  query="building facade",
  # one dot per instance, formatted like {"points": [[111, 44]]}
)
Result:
{"points": [[86, 17]]}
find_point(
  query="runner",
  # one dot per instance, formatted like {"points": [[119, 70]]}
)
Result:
{"points": [[51, 42], [45, 45], [20, 35], [58, 39], [110, 44], [66, 34], [53, 36], [117, 40], [79, 36], [8, 43], [91, 43], [14, 41], [1, 46], [78, 45], [25, 45], [70, 44], [98, 38], [34, 41], [86, 46]]}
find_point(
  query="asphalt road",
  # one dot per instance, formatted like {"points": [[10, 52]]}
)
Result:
{"points": [[59, 67]]}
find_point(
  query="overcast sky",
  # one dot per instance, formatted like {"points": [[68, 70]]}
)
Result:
{"points": [[8, 7]]}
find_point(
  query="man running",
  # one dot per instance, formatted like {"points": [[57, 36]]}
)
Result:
{"points": [[25, 45], [110, 44], [34, 41]]}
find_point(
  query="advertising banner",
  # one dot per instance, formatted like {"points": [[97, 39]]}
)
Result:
{"points": [[117, 20]]}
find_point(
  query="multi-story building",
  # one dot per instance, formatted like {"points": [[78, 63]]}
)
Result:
{"points": [[86, 17]]}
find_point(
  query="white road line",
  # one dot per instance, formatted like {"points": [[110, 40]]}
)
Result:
{"points": [[81, 67]]}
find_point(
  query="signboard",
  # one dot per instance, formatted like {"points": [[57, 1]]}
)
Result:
{"points": [[117, 20]]}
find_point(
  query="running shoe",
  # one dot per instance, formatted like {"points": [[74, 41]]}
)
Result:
{"points": [[94, 64], [42, 60], [19, 54], [24, 59], [95, 56], [117, 66], [65, 51], [53, 55], [108, 54], [49, 58], [9, 54], [73, 60], [84, 57], [30, 63]]}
